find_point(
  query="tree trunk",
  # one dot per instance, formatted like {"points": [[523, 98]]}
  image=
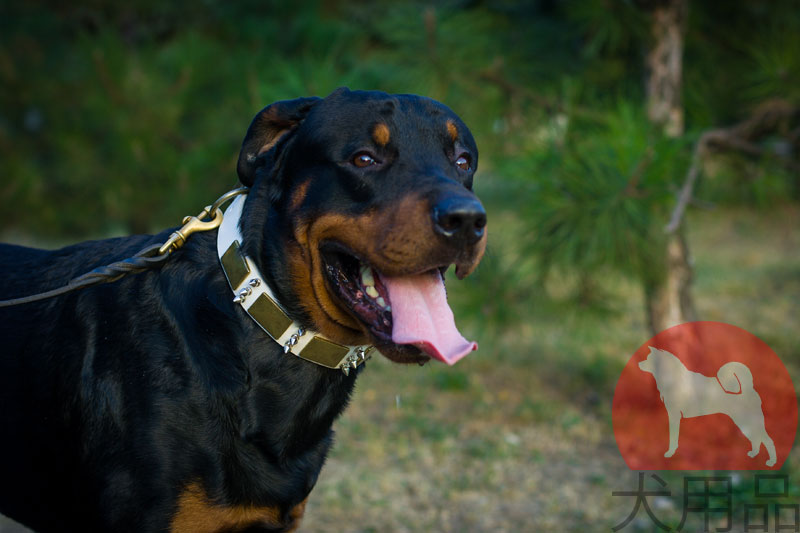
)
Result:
{"points": [[669, 301], [665, 62]]}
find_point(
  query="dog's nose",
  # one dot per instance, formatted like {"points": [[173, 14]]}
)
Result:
{"points": [[461, 219]]}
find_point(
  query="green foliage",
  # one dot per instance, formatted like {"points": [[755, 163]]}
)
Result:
{"points": [[774, 59], [614, 33], [737, 54], [124, 117], [601, 200]]}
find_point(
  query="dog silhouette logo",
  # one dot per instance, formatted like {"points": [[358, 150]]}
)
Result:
{"points": [[704, 395], [688, 394]]}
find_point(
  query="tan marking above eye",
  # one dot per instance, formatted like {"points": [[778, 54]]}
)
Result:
{"points": [[381, 135], [452, 130]]}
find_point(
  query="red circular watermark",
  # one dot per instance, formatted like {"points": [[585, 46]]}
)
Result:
{"points": [[704, 396]]}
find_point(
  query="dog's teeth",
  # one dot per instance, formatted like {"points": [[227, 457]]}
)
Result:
{"points": [[366, 277], [372, 292], [380, 301]]}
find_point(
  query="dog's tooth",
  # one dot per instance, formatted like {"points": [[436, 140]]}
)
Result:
{"points": [[366, 277], [372, 292], [380, 301]]}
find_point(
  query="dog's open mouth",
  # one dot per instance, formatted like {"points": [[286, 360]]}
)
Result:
{"points": [[362, 292], [408, 311]]}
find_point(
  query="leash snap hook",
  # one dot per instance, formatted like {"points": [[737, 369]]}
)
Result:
{"points": [[196, 224], [192, 225]]}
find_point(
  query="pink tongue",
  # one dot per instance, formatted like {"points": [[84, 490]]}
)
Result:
{"points": [[421, 317]]}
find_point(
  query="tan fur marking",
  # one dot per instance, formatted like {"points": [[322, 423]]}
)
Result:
{"points": [[380, 134], [299, 195], [272, 141], [270, 128], [468, 265], [198, 514], [452, 130]]}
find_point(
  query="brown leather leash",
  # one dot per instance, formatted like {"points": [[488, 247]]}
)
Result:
{"points": [[150, 257]]}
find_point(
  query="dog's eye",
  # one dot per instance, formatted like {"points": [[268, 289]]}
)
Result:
{"points": [[363, 160], [463, 162]]}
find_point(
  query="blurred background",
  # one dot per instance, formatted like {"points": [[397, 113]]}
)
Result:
{"points": [[640, 164]]}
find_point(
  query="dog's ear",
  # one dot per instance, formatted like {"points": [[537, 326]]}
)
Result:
{"points": [[268, 127]]}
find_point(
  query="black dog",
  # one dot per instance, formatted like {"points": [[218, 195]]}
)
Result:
{"points": [[155, 403]]}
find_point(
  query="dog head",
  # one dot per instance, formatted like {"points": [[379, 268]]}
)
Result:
{"points": [[660, 361], [359, 202]]}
